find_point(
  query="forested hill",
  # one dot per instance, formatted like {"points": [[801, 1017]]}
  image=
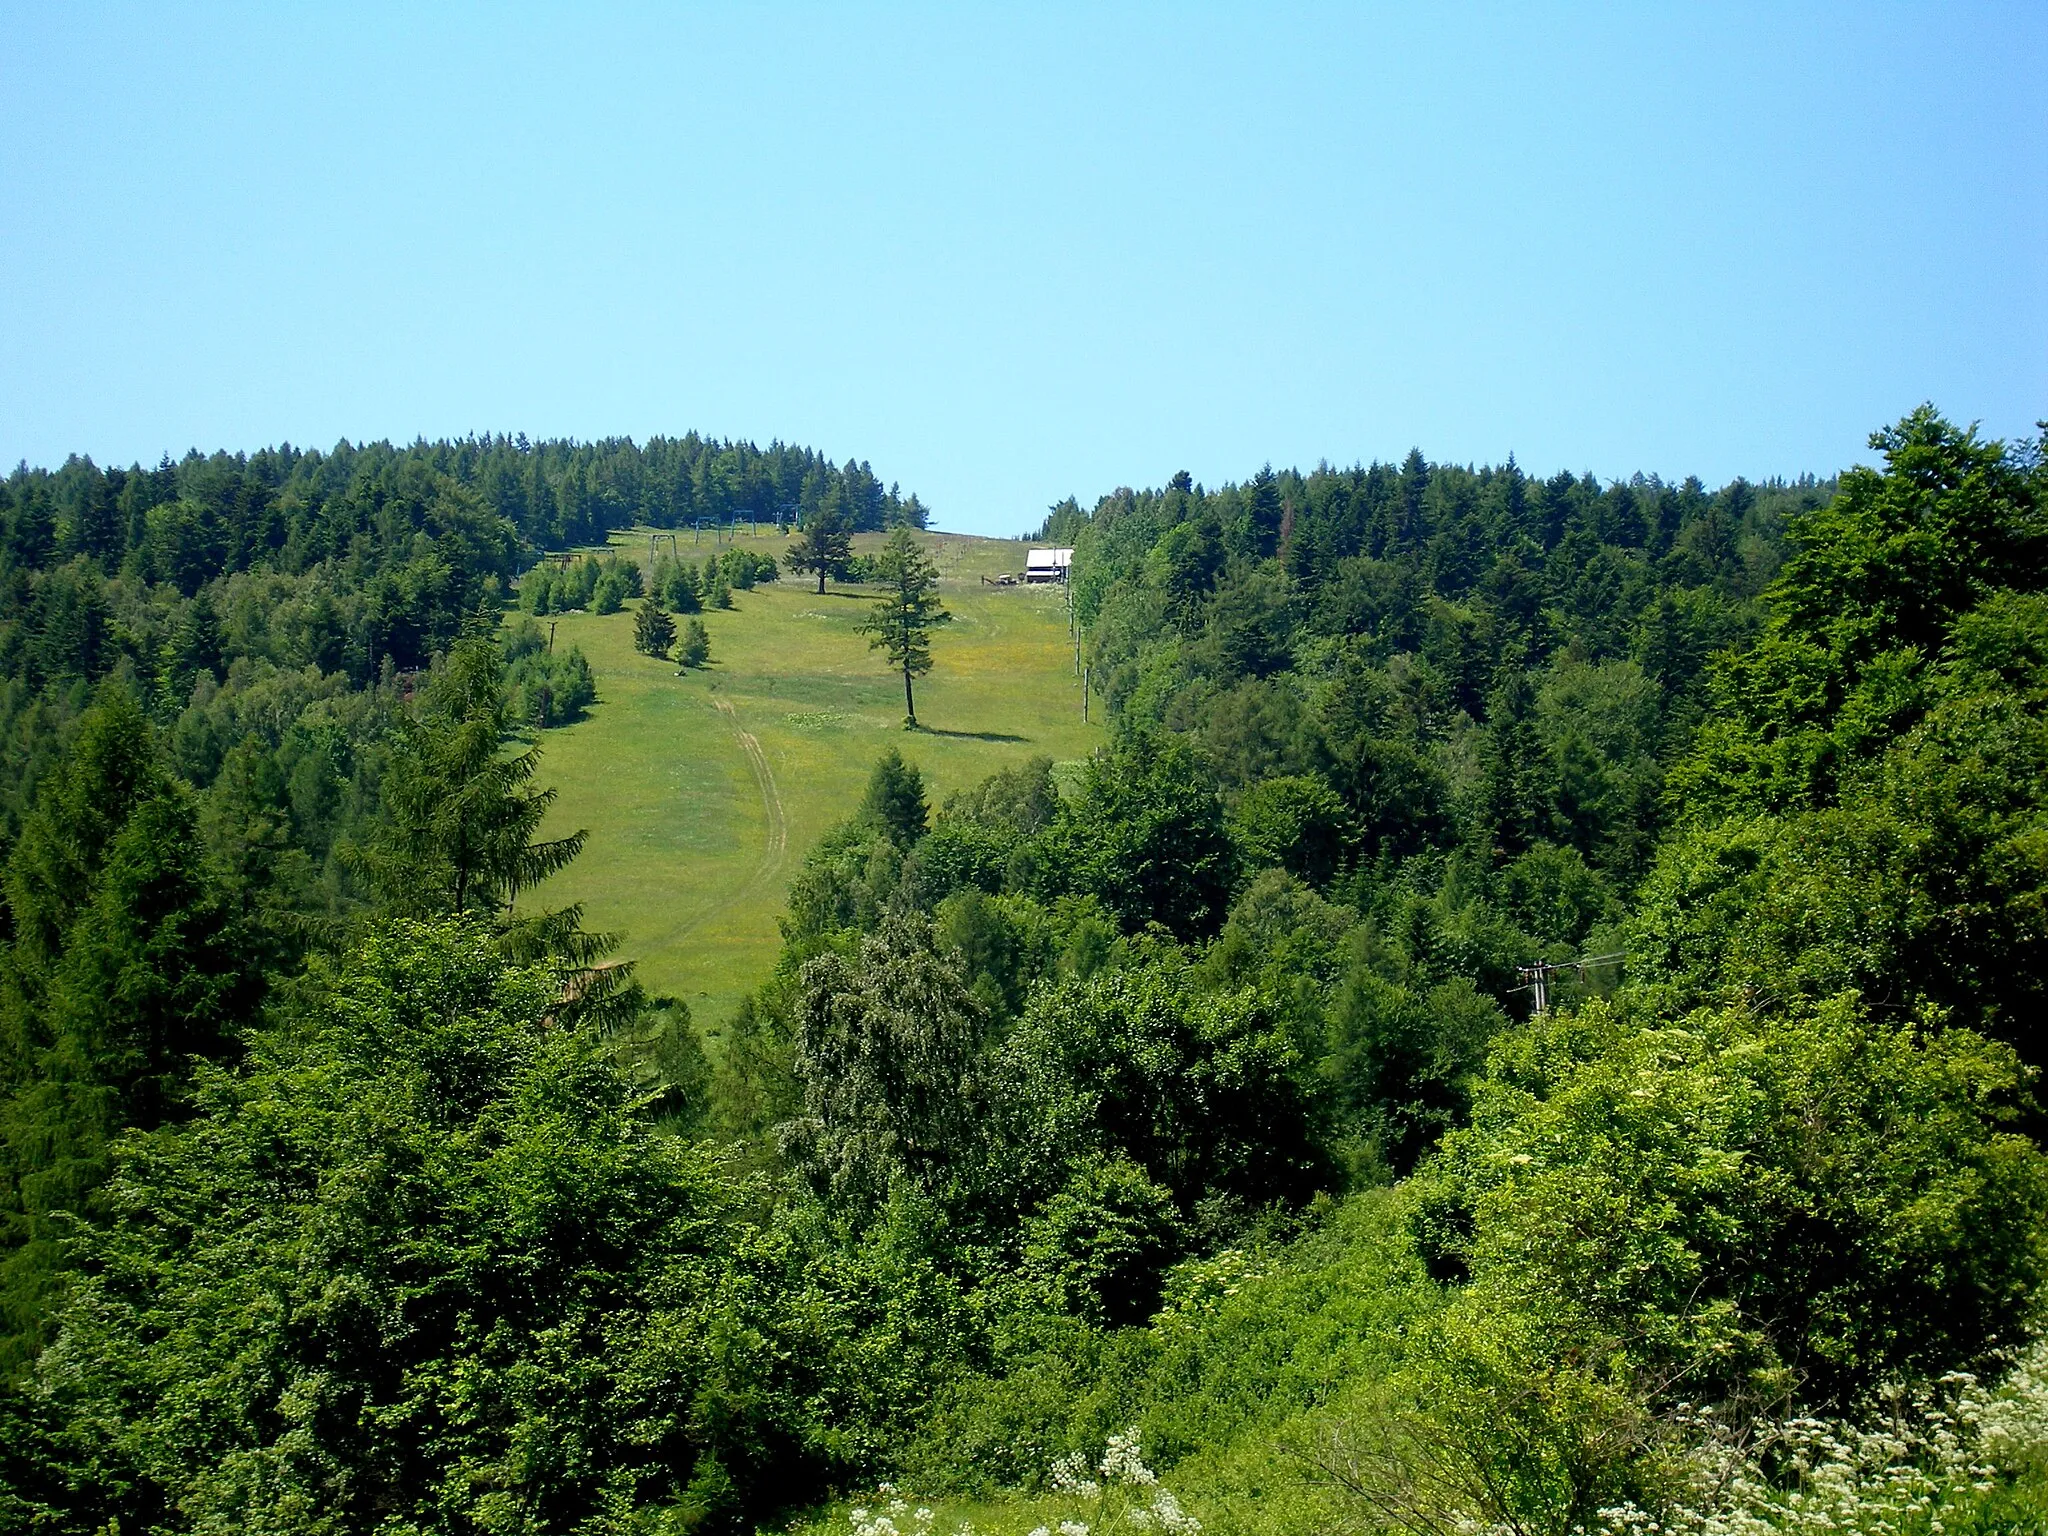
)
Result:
{"points": [[1167, 1141], [231, 509], [286, 577], [1384, 662]]}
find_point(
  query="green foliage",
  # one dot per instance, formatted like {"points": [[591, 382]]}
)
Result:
{"points": [[903, 619], [1866, 807], [545, 688], [743, 568], [1402, 1061], [654, 632], [1099, 1247], [1206, 1094], [421, 1265], [824, 548], [458, 835], [1294, 823], [1866, 603], [680, 586], [1049, 1113], [694, 648], [895, 801], [1802, 1205], [1145, 834], [887, 1053], [127, 963]]}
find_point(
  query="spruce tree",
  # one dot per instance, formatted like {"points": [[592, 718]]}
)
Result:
{"points": [[654, 632], [681, 590], [127, 963], [694, 649], [460, 816], [895, 799]]}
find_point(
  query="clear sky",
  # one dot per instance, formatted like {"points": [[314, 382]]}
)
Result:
{"points": [[1011, 254]]}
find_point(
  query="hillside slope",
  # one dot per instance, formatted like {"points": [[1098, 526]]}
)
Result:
{"points": [[701, 793]]}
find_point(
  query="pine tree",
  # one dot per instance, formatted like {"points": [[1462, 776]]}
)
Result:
{"points": [[902, 622], [824, 547], [654, 632], [695, 647]]}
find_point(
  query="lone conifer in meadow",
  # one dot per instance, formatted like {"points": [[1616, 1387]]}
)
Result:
{"points": [[825, 546], [654, 632], [902, 622]]}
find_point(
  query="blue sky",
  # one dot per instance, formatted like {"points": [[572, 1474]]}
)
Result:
{"points": [[1012, 254]]}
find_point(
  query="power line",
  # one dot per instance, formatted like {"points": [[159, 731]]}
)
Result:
{"points": [[1536, 978]]}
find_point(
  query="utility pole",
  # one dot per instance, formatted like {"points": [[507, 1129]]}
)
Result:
{"points": [[551, 637], [1536, 977]]}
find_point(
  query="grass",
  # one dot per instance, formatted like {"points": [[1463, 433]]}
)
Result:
{"points": [[701, 793]]}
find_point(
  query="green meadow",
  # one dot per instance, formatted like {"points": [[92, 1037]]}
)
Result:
{"points": [[702, 792]]}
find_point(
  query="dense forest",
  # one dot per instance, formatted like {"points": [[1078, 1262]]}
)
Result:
{"points": [[1165, 1141], [268, 610]]}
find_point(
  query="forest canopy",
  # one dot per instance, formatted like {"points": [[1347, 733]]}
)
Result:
{"points": [[1166, 1140]]}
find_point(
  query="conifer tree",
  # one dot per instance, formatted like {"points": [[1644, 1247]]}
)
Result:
{"points": [[654, 632], [694, 649], [460, 817], [901, 624], [895, 800], [824, 547], [126, 964], [682, 591]]}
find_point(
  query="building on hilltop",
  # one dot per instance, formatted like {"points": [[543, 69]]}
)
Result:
{"points": [[1047, 564]]}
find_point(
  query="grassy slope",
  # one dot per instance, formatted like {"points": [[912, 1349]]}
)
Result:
{"points": [[686, 858]]}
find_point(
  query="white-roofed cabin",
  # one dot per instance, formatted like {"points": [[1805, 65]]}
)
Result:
{"points": [[1047, 564]]}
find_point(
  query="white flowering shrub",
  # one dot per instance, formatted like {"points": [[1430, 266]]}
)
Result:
{"points": [[1117, 1494], [894, 1517], [1886, 1476]]}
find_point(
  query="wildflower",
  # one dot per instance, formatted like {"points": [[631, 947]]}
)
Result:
{"points": [[1121, 1462], [1070, 1476], [1073, 1528], [1171, 1517]]}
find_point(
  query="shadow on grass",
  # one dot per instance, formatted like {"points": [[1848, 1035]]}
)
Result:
{"points": [[926, 730]]}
